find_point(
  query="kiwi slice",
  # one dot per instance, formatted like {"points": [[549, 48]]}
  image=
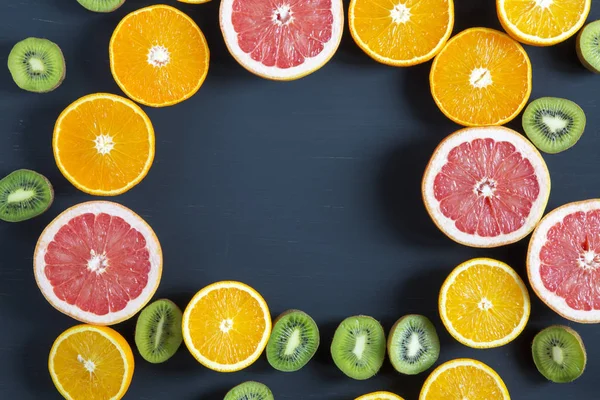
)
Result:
{"points": [[37, 65], [158, 331], [294, 341], [358, 347], [553, 124], [413, 344], [588, 46], [102, 6], [559, 354], [250, 391], [24, 194]]}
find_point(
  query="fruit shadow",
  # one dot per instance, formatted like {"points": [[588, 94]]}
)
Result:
{"points": [[521, 351], [322, 361]]}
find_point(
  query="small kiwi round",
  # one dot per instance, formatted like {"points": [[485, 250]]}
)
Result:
{"points": [[250, 391], [24, 194], [158, 331], [559, 354], [588, 46], [413, 344], [294, 341], [552, 124], [358, 347], [102, 6], [37, 65]]}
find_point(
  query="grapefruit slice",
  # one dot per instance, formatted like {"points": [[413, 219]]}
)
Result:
{"points": [[282, 39], [486, 187], [98, 262], [563, 261]]}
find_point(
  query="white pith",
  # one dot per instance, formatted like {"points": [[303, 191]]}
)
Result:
{"points": [[104, 144], [414, 345], [226, 325], [543, 3], [97, 262], [439, 159], [19, 195], [359, 346], [89, 365], [283, 15], [553, 123], [484, 304], [481, 78], [158, 56], [292, 343], [36, 64], [136, 222], [400, 14]]}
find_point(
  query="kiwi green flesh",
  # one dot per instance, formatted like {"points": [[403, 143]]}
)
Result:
{"points": [[37, 65], [559, 354], [24, 194], [293, 342], [358, 347], [101, 5], [588, 46], [413, 344], [250, 391], [552, 124], [158, 331]]}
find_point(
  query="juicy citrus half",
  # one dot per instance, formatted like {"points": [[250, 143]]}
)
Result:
{"points": [[379, 396], [98, 262], [484, 303], [92, 363], [158, 56], [103, 144], [226, 326], [542, 22], [462, 379], [401, 32], [481, 77]]}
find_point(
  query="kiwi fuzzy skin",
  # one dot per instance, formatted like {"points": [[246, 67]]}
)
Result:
{"points": [[104, 12], [577, 337], [581, 57]]}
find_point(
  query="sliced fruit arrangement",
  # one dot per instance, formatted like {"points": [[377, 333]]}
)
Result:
{"points": [[158, 331], [481, 77], [98, 262], [158, 56], [293, 342], [91, 362], [486, 187], [588, 46], [542, 22], [401, 33], [464, 379], [559, 354], [379, 396], [24, 194], [282, 40], [553, 125], [484, 303], [102, 6], [103, 144], [226, 326], [358, 347], [563, 261], [413, 344], [250, 391], [37, 65]]}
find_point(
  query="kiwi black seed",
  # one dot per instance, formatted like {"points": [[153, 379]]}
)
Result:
{"points": [[24, 194], [559, 354], [358, 347], [37, 65], [102, 6], [553, 124], [413, 344], [588, 46], [158, 331], [250, 391]]}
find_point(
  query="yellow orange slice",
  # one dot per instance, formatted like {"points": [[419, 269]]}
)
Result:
{"points": [[380, 396], [226, 326]]}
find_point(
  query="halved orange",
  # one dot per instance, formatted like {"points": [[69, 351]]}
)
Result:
{"points": [[92, 363], [103, 144], [481, 77], [484, 303], [401, 32], [542, 22], [379, 396], [158, 56], [226, 326]]}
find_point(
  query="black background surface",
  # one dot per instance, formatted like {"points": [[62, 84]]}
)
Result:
{"points": [[308, 190]]}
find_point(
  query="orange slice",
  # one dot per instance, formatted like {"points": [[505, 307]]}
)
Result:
{"points": [[464, 379], [481, 77], [542, 22], [92, 363], [484, 303], [158, 56], [226, 326], [380, 396], [103, 144], [401, 32], [193, 1]]}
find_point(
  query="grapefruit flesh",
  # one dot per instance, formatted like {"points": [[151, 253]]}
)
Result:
{"points": [[486, 187], [98, 262]]}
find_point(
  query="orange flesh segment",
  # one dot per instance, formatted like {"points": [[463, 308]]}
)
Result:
{"points": [[464, 382], [552, 20]]}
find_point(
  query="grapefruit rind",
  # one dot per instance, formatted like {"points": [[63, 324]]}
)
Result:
{"points": [[136, 222], [538, 239], [439, 159]]}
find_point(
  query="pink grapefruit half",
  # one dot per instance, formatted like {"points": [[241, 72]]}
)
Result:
{"points": [[486, 187], [563, 261], [98, 262], [282, 39]]}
